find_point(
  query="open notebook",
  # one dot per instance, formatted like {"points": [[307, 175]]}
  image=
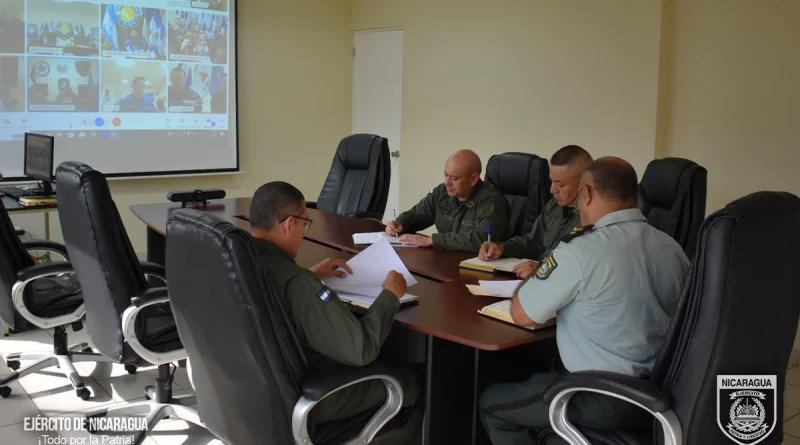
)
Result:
{"points": [[502, 264], [366, 301], [373, 237], [502, 311]]}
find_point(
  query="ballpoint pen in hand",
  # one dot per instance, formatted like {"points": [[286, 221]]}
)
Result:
{"points": [[394, 212], [489, 239]]}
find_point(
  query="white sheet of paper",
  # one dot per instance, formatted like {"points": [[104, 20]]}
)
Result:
{"points": [[372, 237], [370, 268], [504, 288], [365, 301]]}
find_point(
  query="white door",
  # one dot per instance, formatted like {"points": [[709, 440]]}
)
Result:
{"points": [[377, 96]]}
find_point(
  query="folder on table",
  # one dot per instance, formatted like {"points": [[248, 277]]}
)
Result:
{"points": [[366, 301], [502, 264], [502, 311], [33, 201]]}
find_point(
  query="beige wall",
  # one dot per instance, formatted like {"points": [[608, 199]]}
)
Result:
{"points": [[521, 75], [295, 83], [732, 95]]}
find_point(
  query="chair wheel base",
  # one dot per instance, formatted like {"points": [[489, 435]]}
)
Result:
{"points": [[13, 365], [131, 369], [83, 393], [5, 391]]}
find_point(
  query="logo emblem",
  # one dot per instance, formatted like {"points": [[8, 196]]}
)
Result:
{"points": [[62, 67], [128, 16], [746, 407]]}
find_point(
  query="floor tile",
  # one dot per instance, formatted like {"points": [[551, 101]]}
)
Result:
{"points": [[789, 412], [62, 399], [16, 435], [28, 341], [790, 440], [791, 396], [793, 376], [792, 426], [16, 407], [129, 387], [178, 432]]}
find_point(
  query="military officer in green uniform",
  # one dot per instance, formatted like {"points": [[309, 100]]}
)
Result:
{"points": [[328, 331], [463, 208], [613, 286], [558, 217]]}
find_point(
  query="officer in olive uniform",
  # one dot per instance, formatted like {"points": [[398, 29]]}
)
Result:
{"points": [[463, 208], [613, 286], [328, 331], [558, 217]]}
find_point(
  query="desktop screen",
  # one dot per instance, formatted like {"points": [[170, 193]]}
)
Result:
{"points": [[39, 157], [136, 88]]}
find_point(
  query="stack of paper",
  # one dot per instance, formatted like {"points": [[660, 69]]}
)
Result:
{"points": [[370, 268], [502, 264], [502, 289], [373, 237], [502, 311]]}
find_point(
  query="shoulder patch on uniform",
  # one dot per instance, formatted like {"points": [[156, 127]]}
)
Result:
{"points": [[578, 231], [432, 190], [487, 209], [546, 267], [324, 294]]}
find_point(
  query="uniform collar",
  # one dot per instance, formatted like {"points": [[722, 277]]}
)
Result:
{"points": [[273, 249], [620, 216]]}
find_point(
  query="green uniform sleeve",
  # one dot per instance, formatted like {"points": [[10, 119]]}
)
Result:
{"points": [[472, 240], [531, 245], [331, 329], [421, 216]]}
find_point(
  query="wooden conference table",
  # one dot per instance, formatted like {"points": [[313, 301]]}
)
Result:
{"points": [[463, 351]]}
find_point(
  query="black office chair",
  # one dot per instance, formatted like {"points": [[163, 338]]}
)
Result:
{"points": [[128, 322], [45, 295], [524, 179], [358, 181], [672, 195], [259, 391], [738, 316]]}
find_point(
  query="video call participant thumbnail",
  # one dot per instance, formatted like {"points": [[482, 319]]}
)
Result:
{"points": [[63, 28], [195, 88], [134, 32], [198, 37], [59, 84], [12, 84], [131, 87], [12, 27]]}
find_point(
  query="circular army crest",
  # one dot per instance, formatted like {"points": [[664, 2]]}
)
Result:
{"points": [[41, 68], [64, 30], [128, 16]]}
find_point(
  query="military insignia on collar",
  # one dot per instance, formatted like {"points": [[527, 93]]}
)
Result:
{"points": [[487, 209], [324, 294], [578, 231], [546, 267], [470, 204]]}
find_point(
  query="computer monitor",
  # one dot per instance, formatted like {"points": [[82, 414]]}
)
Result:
{"points": [[39, 159]]}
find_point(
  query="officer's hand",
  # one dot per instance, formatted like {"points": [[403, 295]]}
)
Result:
{"points": [[526, 269], [328, 268], [416, 240], [490, 251], [393, 229], [395, 283]]}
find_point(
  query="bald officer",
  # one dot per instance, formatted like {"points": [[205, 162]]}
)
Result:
{"points": [[613, 286], [558, 217], [463, 209], [328, 332]]}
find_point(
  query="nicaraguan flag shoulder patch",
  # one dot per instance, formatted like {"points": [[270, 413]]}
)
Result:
{"points": [[324, 294]]}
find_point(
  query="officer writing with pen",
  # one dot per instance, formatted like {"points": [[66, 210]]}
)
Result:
{"points": [[462, 209]]}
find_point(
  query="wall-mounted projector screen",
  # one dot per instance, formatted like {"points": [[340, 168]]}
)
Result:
{"points": [[136, 89]]}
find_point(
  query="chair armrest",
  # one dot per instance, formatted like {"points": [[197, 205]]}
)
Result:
{"points": [[154, 269], [368, 215], [50, 246], [311, 204], [325, 383], [43, 270], [150, 297], [641, 391], [33, 273]]}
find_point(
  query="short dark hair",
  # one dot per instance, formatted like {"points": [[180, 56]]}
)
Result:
{"points": [[614, 179], [569, 155], [273, 202]]}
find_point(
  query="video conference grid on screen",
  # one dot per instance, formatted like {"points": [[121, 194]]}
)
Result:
{"points": [[65, 63]]}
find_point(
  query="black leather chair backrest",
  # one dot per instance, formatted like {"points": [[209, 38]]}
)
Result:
{"points": [[247, 365], [101, 255], [524, 179], [672, 195], [739, 311], [13, 258], [358, 180]]}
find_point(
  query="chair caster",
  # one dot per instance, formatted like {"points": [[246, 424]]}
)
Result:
{"points": [[13, 364], [131, 369], [83, 393], [5, 391], [87, 350]]}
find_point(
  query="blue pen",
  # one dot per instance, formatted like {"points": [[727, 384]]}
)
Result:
{"points": [[489, 240]]}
